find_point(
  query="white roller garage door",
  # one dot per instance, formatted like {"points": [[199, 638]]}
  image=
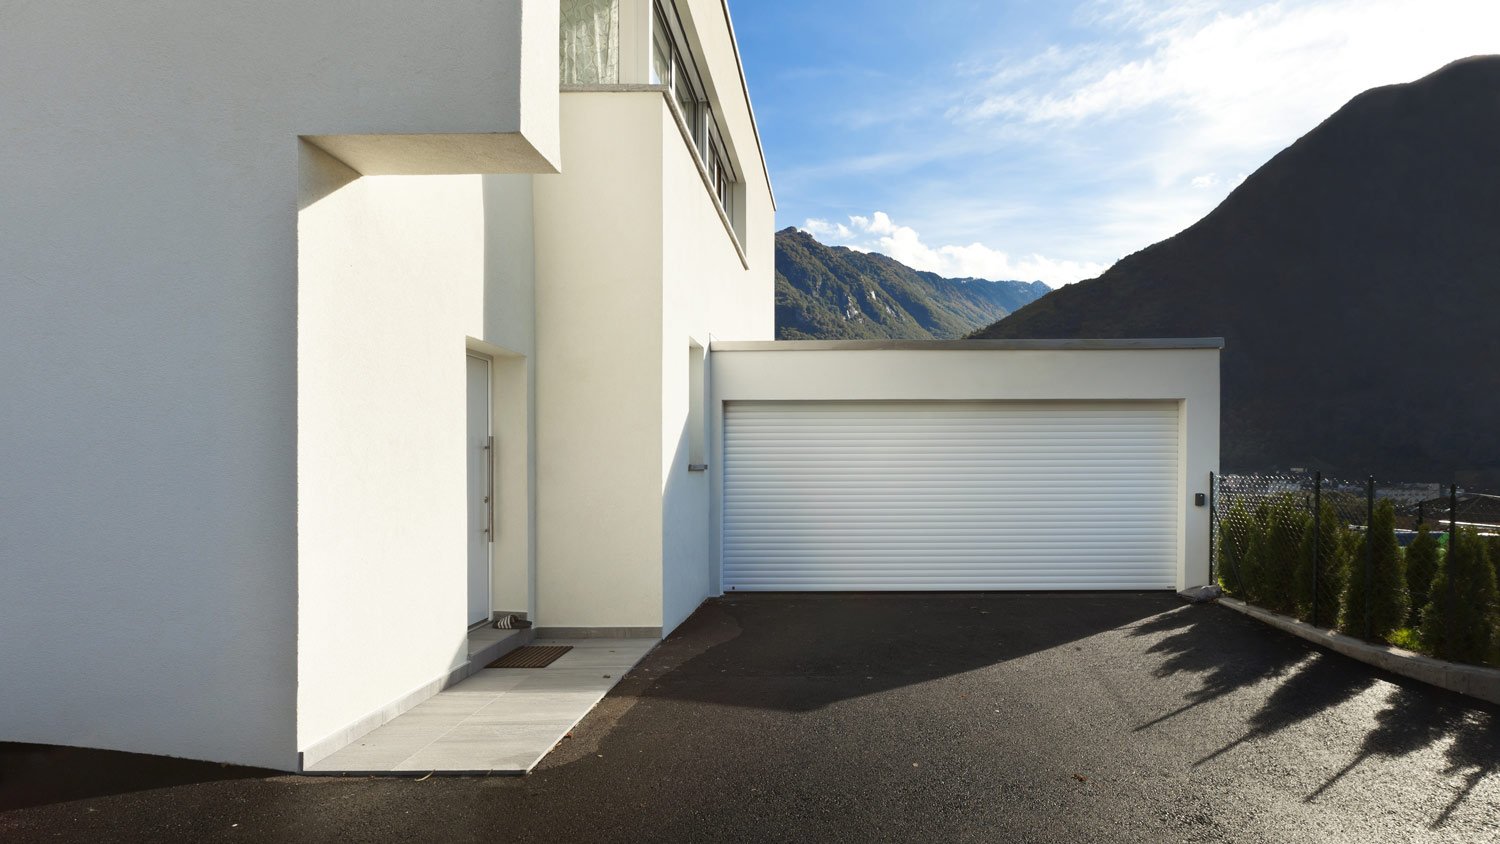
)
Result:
{"points": [[950, 495]]}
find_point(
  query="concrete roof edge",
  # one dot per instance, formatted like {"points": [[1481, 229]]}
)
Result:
{"points": [[1125, 344], [760, 149]]}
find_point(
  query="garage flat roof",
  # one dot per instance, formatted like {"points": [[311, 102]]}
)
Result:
{"points": [[965, 345]]}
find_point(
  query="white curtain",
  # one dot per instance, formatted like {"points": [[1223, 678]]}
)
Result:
{"points": [[590, 42]]}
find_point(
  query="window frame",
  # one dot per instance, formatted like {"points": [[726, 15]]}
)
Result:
{"points": [[686, 89]]}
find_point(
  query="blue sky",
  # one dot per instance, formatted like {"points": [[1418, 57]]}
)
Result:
{"points": [[1048, 138]]}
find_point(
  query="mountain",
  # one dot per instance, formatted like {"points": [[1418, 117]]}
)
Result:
{"points": [[1356, 280], [834, 293]]}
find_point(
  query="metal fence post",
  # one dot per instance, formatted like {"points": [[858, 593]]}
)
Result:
{"points": [[1316, 541], [1369, 551], [1448, 563], [1213, 523]]}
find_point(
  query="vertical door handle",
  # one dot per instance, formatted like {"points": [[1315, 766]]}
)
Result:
{"points": [[489, 488]]}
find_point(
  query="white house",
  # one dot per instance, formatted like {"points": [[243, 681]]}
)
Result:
{"points": [[329, 329]]}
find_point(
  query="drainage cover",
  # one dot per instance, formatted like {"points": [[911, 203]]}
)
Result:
{"points": [[531, 656]]}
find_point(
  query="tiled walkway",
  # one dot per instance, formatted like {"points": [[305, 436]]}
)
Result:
{"points": [[501, 720]]}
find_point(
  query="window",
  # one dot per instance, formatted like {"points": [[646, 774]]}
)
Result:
{"points": [[719, 173], [724, 187], [590, 48], [672, 67], [661, 54], [687, 98]]}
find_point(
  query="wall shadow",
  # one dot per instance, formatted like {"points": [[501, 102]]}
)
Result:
{"points": [[40, 774]]}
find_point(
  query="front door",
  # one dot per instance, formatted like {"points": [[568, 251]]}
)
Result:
{"points": [[481, 474]]}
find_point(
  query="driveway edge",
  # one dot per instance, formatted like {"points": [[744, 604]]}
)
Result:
{"points": [[1471, 680]]}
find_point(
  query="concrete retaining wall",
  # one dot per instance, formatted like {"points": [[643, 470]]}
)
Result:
{"points": [[1471, 680]]}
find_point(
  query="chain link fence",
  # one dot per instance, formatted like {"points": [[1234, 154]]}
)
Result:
{"points": [[1364, 558]]}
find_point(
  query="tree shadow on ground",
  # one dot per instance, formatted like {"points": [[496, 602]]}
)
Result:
{"points": [[1319, 683], [1474, 755], [39, 775], [1415, 718], [1197, 646], [1310, 681]]}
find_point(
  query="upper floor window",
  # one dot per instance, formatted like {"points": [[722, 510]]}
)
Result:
{"points": [[661, 51], [590, 46], [673, 66]]}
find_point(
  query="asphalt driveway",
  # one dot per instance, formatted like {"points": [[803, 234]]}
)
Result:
{"points": [[1044, 717]]}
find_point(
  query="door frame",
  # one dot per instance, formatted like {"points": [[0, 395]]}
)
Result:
{"points": [[1183, 370], [489, 489]]}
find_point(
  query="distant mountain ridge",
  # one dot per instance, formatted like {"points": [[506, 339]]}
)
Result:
{"points": [[834, 293], [1355, 278]]}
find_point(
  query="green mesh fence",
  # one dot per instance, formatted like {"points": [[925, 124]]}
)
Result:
{"points": [[1349, 554]]}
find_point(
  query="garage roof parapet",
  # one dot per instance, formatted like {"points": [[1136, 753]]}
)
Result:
{"points": [[1121, 344]]}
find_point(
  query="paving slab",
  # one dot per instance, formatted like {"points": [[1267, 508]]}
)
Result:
{"points": [[497, 721]]}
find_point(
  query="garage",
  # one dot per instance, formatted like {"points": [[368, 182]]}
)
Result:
{"points": [[951, 495]]}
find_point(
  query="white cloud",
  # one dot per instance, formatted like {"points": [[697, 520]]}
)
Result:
{"points": [[879, 233], [1231, 79], [1162, 108], [1116, 129]]}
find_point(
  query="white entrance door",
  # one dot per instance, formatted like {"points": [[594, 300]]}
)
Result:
{"points": [[950, 495], [481, 486]]}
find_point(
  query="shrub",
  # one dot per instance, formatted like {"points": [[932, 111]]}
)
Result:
{"points": [[1331, 547], [1421, 568], [1407, 638], [1383, 610], [1460, 620]]}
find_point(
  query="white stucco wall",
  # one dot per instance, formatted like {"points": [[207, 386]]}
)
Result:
{"points": [[708, 292], [599, 304], [468, 87], [718, 282], [397, 276], [985, 370], [623, 527], [148, 308], [509, 338]]}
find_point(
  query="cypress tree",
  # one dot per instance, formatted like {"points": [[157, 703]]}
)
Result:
{"points": [[1421, 568], [1330, 558], [1460, 623], [1388, 600], [1279, 553], [1232, 539], [1253, 564]]}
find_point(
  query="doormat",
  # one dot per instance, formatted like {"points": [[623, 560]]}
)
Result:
{"points": [[531, 656]]}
